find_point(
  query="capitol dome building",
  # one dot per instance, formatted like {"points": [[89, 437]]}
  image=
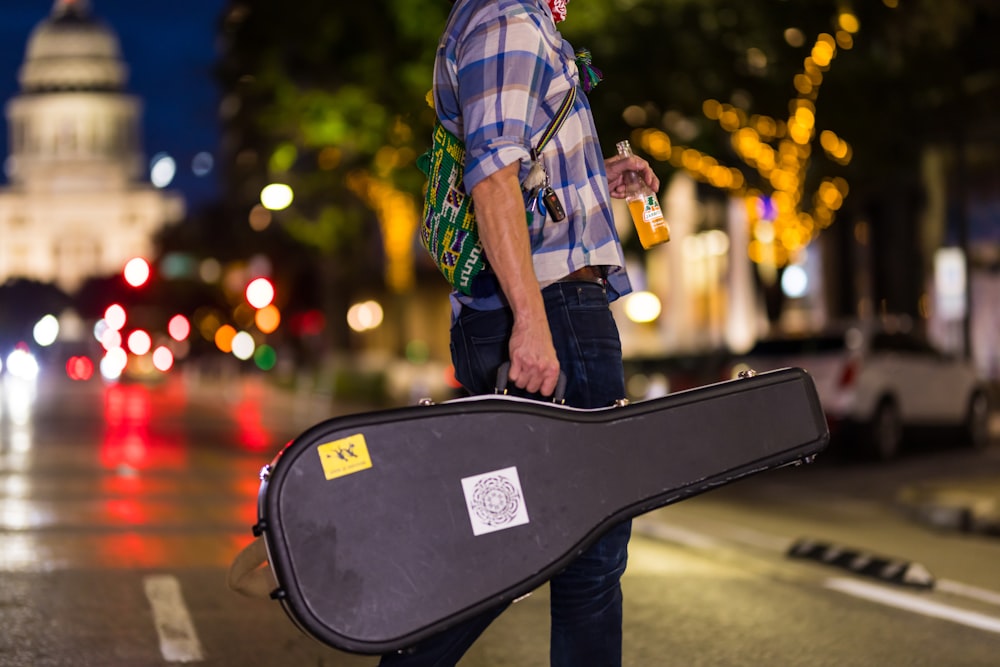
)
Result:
{"points": [[77, 204]]}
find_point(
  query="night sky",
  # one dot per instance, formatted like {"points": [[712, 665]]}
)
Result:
{"points": [[170, 49]]}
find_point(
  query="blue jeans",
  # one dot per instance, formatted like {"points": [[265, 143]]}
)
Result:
{"points": [[586, 597]]}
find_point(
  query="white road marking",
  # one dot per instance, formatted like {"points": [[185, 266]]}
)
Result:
{"points": [[965, 590], [914, 603], [671, 533], [178, 639], [768, 541]]}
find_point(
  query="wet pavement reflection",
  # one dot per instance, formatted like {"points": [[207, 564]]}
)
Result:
{"points": [[96, 475]]}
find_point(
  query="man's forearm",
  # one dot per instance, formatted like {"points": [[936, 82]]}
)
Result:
{"points": [[503, 230]]}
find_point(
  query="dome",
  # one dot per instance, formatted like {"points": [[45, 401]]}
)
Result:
{"points": [[72, 50]]}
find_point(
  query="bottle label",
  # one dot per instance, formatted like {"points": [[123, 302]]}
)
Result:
{"points": [[651, 212]]}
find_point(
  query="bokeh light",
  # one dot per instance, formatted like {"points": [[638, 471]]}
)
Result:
{"points": [[163, 358], [79, 368], [22, 364], [276, 196], [364, 316], [179, 327], [224, 338], [267, 319], [265, 357], [202, 163], [243, 345], [139, 342], [110, 339], [260, 292], [136, 272], [162, 169], [46, 330], [642, 307], [115, 317], [794, 281], [113, 363]]}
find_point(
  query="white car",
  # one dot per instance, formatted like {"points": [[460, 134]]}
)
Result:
{"points": [[874, 384]]}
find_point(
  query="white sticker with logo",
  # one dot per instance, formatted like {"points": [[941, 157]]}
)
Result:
{"points": [[495, 501]]}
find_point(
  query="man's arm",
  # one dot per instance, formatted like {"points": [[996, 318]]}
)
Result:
{"points": [[503, 230]]}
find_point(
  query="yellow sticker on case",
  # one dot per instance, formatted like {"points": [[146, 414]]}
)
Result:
{"points": [[344, 456]]}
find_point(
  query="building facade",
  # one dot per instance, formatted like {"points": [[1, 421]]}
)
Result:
{"points": [[77, 204]]}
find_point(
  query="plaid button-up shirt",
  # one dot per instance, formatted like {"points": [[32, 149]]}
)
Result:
{"points": [[501, 72]]}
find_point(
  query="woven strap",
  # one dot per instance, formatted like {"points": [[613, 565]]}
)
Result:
{"points": [[556, 122]]}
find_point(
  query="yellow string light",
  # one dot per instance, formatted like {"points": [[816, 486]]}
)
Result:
{"points": [[776, 241]]}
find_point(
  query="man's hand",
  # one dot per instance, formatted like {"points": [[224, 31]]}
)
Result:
{"points": [[503, 229], [533, 363], [617, 166]]}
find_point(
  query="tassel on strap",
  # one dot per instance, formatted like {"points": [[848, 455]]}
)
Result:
{"points": [[590, 76]]}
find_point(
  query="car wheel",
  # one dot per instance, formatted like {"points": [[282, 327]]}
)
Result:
{"points": [[885, 431], [977, 421]]}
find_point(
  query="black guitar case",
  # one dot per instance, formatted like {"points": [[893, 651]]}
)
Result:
{"points": [[386, 527]]}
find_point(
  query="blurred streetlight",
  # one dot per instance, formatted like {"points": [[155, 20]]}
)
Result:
{"points": [[137, 272], [642, 307], [113, 363], [22, 364], [243, 345], [162, 169], [46, 330], [276, 196], [139, 342], [260, 293], [114, 317], [163, 359], [364, 316], [267, 319]]}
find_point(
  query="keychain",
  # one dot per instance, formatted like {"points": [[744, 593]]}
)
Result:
{"points": [[537, 183]]}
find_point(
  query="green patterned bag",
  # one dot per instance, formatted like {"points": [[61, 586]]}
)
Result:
{"points": [[448, 231]]}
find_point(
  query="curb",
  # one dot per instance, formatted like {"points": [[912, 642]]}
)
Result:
{"points": [[889, 570]]}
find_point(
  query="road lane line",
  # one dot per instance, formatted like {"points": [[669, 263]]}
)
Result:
{"points": [[178, 639], [696, 538], [914, 603], [675, 534], [971, 592]]}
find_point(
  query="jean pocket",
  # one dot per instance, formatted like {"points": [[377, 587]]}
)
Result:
{"points": [[479, 346]]}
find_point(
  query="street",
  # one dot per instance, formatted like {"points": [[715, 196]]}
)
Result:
{"points": [[122, 506]]}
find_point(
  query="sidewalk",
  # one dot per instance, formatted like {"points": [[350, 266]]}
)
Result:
{"points": [[966, 505]]}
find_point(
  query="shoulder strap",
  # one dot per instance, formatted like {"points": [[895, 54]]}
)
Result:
{"points": [[556, 122]]}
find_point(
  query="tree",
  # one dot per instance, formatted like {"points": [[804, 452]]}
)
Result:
{"points": [[330, 99], [916, 75]]}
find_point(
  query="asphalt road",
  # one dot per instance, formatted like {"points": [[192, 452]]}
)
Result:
{"points": [[121, 508]]}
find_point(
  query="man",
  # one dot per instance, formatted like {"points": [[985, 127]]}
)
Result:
{"points": [[502, 71]]}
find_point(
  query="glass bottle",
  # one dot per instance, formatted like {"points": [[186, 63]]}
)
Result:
{"points": [[643, 205]]}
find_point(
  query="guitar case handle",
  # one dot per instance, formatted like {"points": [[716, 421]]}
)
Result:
{"points": [[250, 573], [503, 377]]}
